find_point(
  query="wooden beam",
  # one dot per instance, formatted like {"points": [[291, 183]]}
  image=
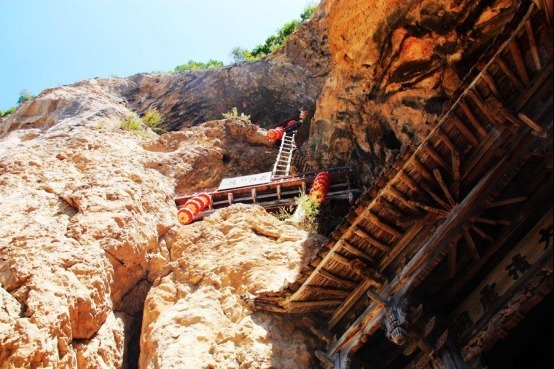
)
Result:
{"points": [[531, 123], [329, 291], [401, 198], [430, 208], [452, 260], [343, 309], [511, 76], [336, 279], [456, 175], [404, 177], [543, 78], [341, 259], [519, 62], [482, 234], [371, 240], [515, 200], [533, 44], [435, 196], [402, 245], [492, 85], [471, 245], [422, 169], [444, 187], [357, 251], [313, 304], [473, 119], [464, 130], [435, 155], [446, 140], [384, 226], [474, 95]]}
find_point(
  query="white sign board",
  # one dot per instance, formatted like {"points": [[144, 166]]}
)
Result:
{"points": [[246, 181]]}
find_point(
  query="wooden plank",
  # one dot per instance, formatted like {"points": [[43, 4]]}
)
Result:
{"points": [[357, 251], [371, 240], [473, 119], [533, 44], [435, 155], [520, 63]]}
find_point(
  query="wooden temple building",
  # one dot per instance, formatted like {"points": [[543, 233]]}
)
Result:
{"points": [[450, 251], [446, 261]]}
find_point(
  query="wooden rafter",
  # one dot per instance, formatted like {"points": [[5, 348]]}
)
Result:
{"points": [[520, 63], [444, 188], [508, 72], [473, 119], [372, 240], [533, 44]]}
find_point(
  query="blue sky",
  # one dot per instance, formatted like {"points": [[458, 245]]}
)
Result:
{"points": [[47, 43]]}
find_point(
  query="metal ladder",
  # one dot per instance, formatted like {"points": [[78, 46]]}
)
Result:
{"points": [[284, 157]]}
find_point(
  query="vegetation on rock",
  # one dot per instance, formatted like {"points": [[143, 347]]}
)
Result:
{"points": [[195, 65], [234, 113], [273, 42]]}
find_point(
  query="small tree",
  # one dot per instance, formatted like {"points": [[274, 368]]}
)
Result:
{"points": [[24, 96]]}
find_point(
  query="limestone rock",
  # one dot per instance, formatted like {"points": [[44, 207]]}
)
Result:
{"points": [[194, 316], [83, 205]]}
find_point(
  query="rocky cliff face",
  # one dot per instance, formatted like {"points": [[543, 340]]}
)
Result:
{"points": [[89, 245], [394, 64]]}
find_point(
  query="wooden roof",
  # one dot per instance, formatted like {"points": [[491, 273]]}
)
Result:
{"points": [[433, 197]]}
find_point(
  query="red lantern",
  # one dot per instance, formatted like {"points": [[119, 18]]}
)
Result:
{"points": [[291, 123], [205, 198], [195, 206], [185, 216]]}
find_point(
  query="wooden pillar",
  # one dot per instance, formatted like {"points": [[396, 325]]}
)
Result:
{"points": [[450, 358]]}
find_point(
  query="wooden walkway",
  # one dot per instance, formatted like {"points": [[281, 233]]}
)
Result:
{"points": [[280, 192]]}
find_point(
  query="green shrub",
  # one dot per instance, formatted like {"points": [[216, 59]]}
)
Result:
{"points": [[131, 123], [305, 216], [194, 65], [7, 112], [153, 118], [274, 42], [234, 113]]}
